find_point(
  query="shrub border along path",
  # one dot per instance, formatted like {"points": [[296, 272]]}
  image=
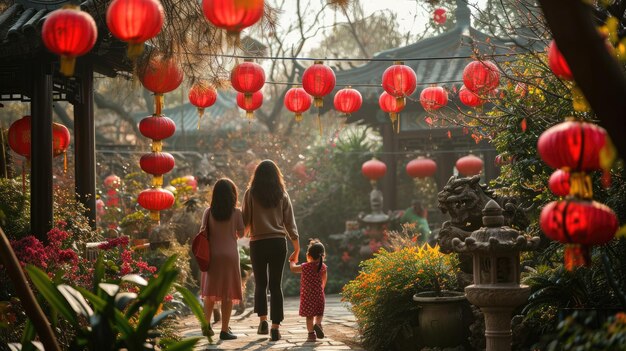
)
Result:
{"points": [[339, 326]]}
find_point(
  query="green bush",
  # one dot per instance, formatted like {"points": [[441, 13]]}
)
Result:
{"points": [[14, 208], [381, 296]]}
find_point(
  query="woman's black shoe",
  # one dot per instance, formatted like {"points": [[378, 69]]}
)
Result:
{"points": [[275, 334], [227, 336], [263, 328]]}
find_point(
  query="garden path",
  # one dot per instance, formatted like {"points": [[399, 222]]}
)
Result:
{"points": [[339, 326]]}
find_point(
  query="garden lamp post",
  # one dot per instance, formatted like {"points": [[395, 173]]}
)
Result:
{"points": [[496, 290]]}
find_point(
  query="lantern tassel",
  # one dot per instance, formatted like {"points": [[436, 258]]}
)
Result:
{"points": [[67, 65], [393, 116], [576, 255], [200, 114], [398, 125], [157, 181], [318, 102], [580, 185], [157, 145], [64, 161], [134, 50], [319, 122], [298, 117], [155, 216], [250, 115], [159, 101]]}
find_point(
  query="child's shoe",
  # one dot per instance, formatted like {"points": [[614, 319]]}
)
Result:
{"points": [[319, 331], [311, 337]]}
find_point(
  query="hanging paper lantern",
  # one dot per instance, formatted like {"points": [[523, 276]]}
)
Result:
{"points": [[439, 16], [318, 80], [233, 15], [161, 76], [157, 164], [433, 98], [557, 63], [348, 100], [469, 165], [100, 208], [481, 77], [134, 22], [399, 81], [421, 168], [579, 224], [247, 78], [60, 139], [155, 200], [69, 32], [391, 105], [19, 136], [250, 105], [157, 128], [576, 147], [374, 169], [297, 101], [202, 96], [559, 183], [469, 98]]}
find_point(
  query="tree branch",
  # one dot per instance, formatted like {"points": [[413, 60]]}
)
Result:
{"points": [[103, 103]]}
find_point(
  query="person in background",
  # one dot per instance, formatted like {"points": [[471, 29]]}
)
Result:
{"points": [[416, 214], [312, 284], [222, 282], [268, 217]]}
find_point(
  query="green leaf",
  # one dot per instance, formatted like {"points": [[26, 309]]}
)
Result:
{"points": [[51, 294], [76, 300], [136, 279], [28, 335], [185, 344], [121, 322], [190, 300], [98, 273]]}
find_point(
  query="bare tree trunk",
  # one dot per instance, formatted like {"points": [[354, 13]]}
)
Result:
{"points": [[597, 73]]}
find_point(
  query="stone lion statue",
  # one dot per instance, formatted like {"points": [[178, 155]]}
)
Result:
{"points": [[464, 199]]}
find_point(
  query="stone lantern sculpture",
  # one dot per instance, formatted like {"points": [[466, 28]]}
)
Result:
{"points": [[496, 268]]}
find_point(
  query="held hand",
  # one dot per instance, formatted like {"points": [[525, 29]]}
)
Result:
{"points": [[294, 256]]}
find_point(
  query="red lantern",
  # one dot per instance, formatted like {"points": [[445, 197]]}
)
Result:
{"points": [[433, 98], [374, 169], [161, 76], [157, 127], [559, 183], [112, 182], [557, 63], [399, 80], [69, 32], [576, 146], [233, 15], [248, 78], [297, 101], [421, 168], [202, 96], [469, 98], [155, 200], [391, 105], [318, 80], [579, 224], [250, 105], [157, 164], [469, 165], [481, 77], [135, 21], [348, 100], [19, 136], [439, 16], [60, 139]]}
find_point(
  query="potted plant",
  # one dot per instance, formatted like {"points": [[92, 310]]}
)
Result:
{"points": [[381, 295]]}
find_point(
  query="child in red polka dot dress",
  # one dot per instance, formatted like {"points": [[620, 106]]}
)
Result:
{"points": [[312, 285]]}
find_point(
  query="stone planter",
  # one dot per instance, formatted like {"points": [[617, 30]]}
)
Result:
{"points": [[440, 319]]}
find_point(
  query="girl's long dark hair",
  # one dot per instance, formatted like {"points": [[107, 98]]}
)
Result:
{"points": [[267, 185], [224, 199], [317, 252]]}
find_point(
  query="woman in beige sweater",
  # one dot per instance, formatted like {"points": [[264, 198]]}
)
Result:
{"points": [[268, 217]]}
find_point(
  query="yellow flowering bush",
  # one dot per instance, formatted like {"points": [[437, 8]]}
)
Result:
{"points": [[381, 296]]}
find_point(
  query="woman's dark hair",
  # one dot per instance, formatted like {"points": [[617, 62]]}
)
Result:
{"points": [[224, 199], [317, 251], [267, 185]]}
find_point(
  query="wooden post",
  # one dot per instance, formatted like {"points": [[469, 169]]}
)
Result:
{"points": [[85, 143], [389, 158], [41, 151]]}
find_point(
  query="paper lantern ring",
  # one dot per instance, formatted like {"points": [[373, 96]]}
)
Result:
{"points": [[297, 101], [134, 22], [318, 80], [348, 100]]}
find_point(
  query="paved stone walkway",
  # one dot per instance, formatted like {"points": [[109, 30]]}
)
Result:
{"points": [[339, 326]]}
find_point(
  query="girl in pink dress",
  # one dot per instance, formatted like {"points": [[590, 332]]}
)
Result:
{"points": [[222, 282], [312, 285]]}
